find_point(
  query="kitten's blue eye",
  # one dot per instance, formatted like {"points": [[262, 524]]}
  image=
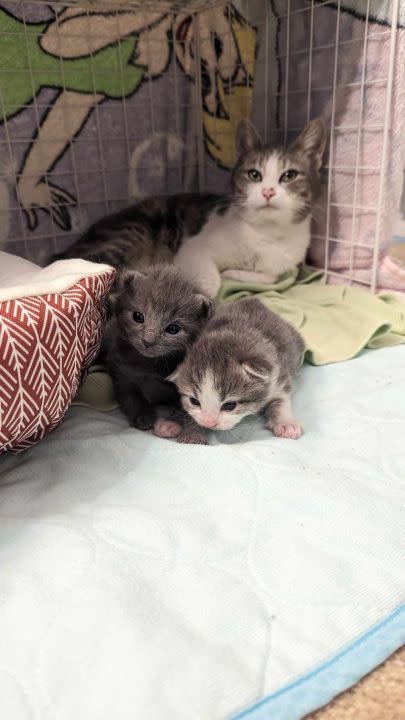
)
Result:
{"points": [[254, 175], [138, 317], [195, 402], [173, 329], [288, 175], [228, 406]]}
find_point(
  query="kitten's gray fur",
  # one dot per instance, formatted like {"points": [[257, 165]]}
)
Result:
{"points": [[155, 229], [247, 354], [140, 356]]}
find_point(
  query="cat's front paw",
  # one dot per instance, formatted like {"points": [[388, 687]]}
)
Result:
{"points": [[144, 421], [290, 430], [166, 428], [193, 438]]}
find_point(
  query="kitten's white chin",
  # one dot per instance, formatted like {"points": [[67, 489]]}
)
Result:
{"points": [[227, 426], [272, 207]]}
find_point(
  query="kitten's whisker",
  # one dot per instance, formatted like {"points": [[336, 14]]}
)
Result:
{"points": [[318, 212]]}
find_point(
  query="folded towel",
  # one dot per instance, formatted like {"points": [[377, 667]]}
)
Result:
{"points": [[97, 390], [336, 321]]}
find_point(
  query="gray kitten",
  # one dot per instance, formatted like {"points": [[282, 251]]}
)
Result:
{"points": [[155, 316], [243, 363], [255, 234]]}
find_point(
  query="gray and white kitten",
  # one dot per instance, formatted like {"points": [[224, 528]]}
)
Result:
{"points": [[243, 363], [255, 234], [155, 316]]}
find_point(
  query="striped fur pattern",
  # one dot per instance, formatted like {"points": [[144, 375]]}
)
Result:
{"points": [[256, 233]]}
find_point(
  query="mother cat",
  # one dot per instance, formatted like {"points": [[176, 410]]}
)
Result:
{"points": [[255, 234]]}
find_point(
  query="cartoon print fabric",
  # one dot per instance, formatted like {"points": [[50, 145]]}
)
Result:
{"points": [[97, 107]]}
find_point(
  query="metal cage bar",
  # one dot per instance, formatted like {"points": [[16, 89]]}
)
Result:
{"points": [[305, 95]]}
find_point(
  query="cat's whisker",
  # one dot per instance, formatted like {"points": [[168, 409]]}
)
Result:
{"points": [[318, 212]]}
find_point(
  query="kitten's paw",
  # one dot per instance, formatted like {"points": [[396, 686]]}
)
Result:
{"points": [[193, 439], [145, 421], [291, 430], [166, 428]]}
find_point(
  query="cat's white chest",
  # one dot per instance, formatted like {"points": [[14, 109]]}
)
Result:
{"points": [[241, 250], [267, 248]]}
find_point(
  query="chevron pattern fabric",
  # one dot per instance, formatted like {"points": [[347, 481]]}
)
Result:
{"points": [[46, 344]]}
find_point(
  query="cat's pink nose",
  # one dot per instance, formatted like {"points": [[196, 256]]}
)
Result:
{"points": [[209, 421], [268, 193]]}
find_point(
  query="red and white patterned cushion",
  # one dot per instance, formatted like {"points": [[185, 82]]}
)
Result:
{"points": [[47, 341]]}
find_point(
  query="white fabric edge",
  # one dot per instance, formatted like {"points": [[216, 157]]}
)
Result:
{"points": [[20, 278], [334, 675]]}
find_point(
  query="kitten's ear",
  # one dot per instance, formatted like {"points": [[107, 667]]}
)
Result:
{"points": [[247, 137], [173, 376], [256, 371], [126, 278], [312, 141], [206, 306]]}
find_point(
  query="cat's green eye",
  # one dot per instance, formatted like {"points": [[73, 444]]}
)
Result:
{"points": [[138, 317], [195, 402], [288, 175], [254, 175], [173, 329], [228, 406]]}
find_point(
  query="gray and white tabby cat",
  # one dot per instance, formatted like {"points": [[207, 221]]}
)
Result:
{"points": [[243, 363], [155, 316], [255, 234]]}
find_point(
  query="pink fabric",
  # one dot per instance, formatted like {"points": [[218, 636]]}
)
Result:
{"points": [[352, 247]]}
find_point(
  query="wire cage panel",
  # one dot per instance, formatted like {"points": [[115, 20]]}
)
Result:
{"points": [[101, 104]]}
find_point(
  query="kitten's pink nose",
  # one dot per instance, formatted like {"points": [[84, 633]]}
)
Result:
{"points": [[148, 342], [209, 421], [268, 193]]}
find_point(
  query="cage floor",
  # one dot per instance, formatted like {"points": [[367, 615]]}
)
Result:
{"points": [[254, 578]]}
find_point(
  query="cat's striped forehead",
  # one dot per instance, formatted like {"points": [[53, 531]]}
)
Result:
{"points": [[273, 161], [214, 375], [209, 393], [272, 166], [295, 197]]}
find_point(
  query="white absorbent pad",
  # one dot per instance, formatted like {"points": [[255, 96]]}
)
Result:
{"points": [[255, 578]]}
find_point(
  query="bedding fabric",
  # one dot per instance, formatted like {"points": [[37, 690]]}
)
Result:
{"points": [[254, 578], [336, 323], [51, 324]]}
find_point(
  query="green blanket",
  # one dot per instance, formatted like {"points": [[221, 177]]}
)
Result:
{"points": [[336, 322]]}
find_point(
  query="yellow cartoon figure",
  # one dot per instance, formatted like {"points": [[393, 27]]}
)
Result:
{"points": [[228, 50]]}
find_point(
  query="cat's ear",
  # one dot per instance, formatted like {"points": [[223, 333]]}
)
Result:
{"points": [[206, 306], [247, 137], [255, 370], [312, 141], [173, 376], [126, 278]]}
